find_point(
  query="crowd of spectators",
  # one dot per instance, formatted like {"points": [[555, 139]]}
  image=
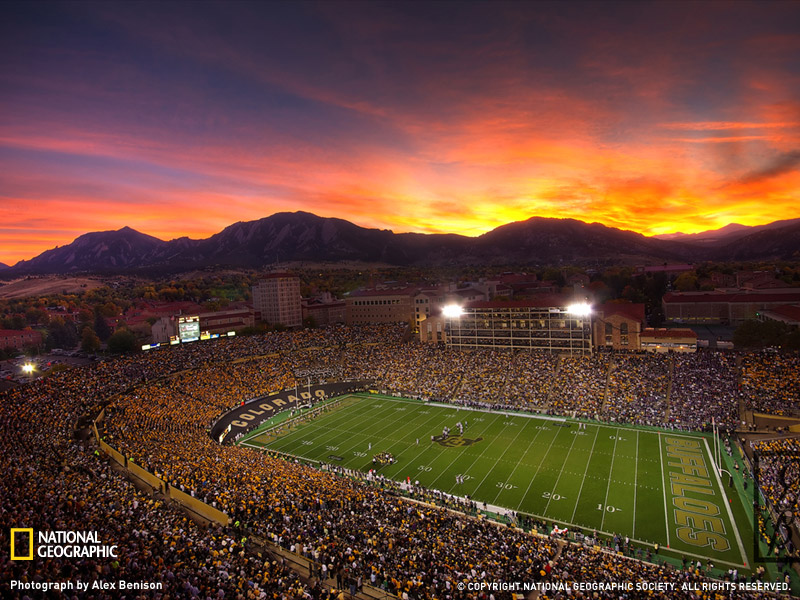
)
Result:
{"points": [[52, 482], [485, 376], [157, 408], [704, 387], [580, 385], [637, 389], [779, 476], [771, 383], [532, 379]]}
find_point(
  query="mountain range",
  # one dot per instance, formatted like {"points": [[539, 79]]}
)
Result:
{"points": [[305, 237], [725, 234]]}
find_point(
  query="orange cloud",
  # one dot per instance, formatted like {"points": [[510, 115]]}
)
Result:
{"points": [[720, 125], [464, 151]]}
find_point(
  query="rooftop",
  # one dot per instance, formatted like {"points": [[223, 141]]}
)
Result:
{"points": [[669, 333], [678, 297]]}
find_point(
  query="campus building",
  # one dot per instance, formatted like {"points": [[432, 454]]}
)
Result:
{"points": [[324, 310], [277, 299], [724, 307], [430, 302], [788, 314], [618, 325], [19, 338], [669, 340], [382, 304]]}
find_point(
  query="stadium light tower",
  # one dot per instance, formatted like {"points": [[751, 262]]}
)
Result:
{"points": [[452, 311], [580, 309]]}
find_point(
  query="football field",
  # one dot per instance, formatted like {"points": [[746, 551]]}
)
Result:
{"points": [[654, 486]]}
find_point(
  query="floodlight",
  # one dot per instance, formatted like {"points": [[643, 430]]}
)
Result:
{"points": [[580, 309], [452, 311], [27, 368]]}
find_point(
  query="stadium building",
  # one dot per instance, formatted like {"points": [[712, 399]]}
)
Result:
{"points": [[543, 324]]}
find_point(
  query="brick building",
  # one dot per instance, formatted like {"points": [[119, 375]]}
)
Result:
{"points": [[276, 298], [382, 304], [19, 338], [725, 308], [618, 326], [669, 340]]}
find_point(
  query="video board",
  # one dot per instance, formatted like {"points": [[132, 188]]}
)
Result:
{"points": [[189, 328]]}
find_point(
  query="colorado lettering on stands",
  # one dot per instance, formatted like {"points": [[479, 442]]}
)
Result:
{"points": [[269, 407]]}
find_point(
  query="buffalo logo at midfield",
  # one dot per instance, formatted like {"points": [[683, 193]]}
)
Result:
{"points": [[454, 441]]}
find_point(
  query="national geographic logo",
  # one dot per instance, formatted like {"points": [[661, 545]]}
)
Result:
{"points": [[58, 544], [455, 441], [16, 545]]}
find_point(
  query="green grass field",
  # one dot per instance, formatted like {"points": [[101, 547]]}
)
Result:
{"points": [[610, 479]]}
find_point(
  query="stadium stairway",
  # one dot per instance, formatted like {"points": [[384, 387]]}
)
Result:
{"points": [[611, 366], [744, 414], [669, 388], [456, 388], [556, 373]]}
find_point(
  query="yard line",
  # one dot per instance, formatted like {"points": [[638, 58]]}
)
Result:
{"points": [[488, 472], [610, 473], [508, 413], [330, 432], [539, 468], [423, 447], [255, 436], [727, 505], [484, 430], [641, 542], [560, 473], [519, 462], [586, 470], [635, 482], [322, 436], [376, 432], [666, 515], [337, 414]]}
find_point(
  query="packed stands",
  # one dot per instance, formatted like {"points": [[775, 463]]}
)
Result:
{"points": [[157, 408]]}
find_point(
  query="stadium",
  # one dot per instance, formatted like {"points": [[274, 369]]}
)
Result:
{"points": [[352, 462]]}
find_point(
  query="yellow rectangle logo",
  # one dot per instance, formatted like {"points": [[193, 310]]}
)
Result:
{"points": [[30, 543]]}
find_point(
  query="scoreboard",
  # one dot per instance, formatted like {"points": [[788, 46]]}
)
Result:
{"points": [[189, 328]]}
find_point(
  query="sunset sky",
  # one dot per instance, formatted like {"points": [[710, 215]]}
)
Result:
{"points": [[180, 119]]}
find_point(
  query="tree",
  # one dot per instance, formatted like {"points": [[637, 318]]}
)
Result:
{"points": [[121, 341], [89, 341], [85, 316], [686, 281], [17, 322], [757, 334], [101, 327], [61, 334], [109, 309], [36, 316]]}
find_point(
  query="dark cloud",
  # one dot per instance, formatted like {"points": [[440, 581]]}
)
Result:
{"points": [[784, 163]]}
